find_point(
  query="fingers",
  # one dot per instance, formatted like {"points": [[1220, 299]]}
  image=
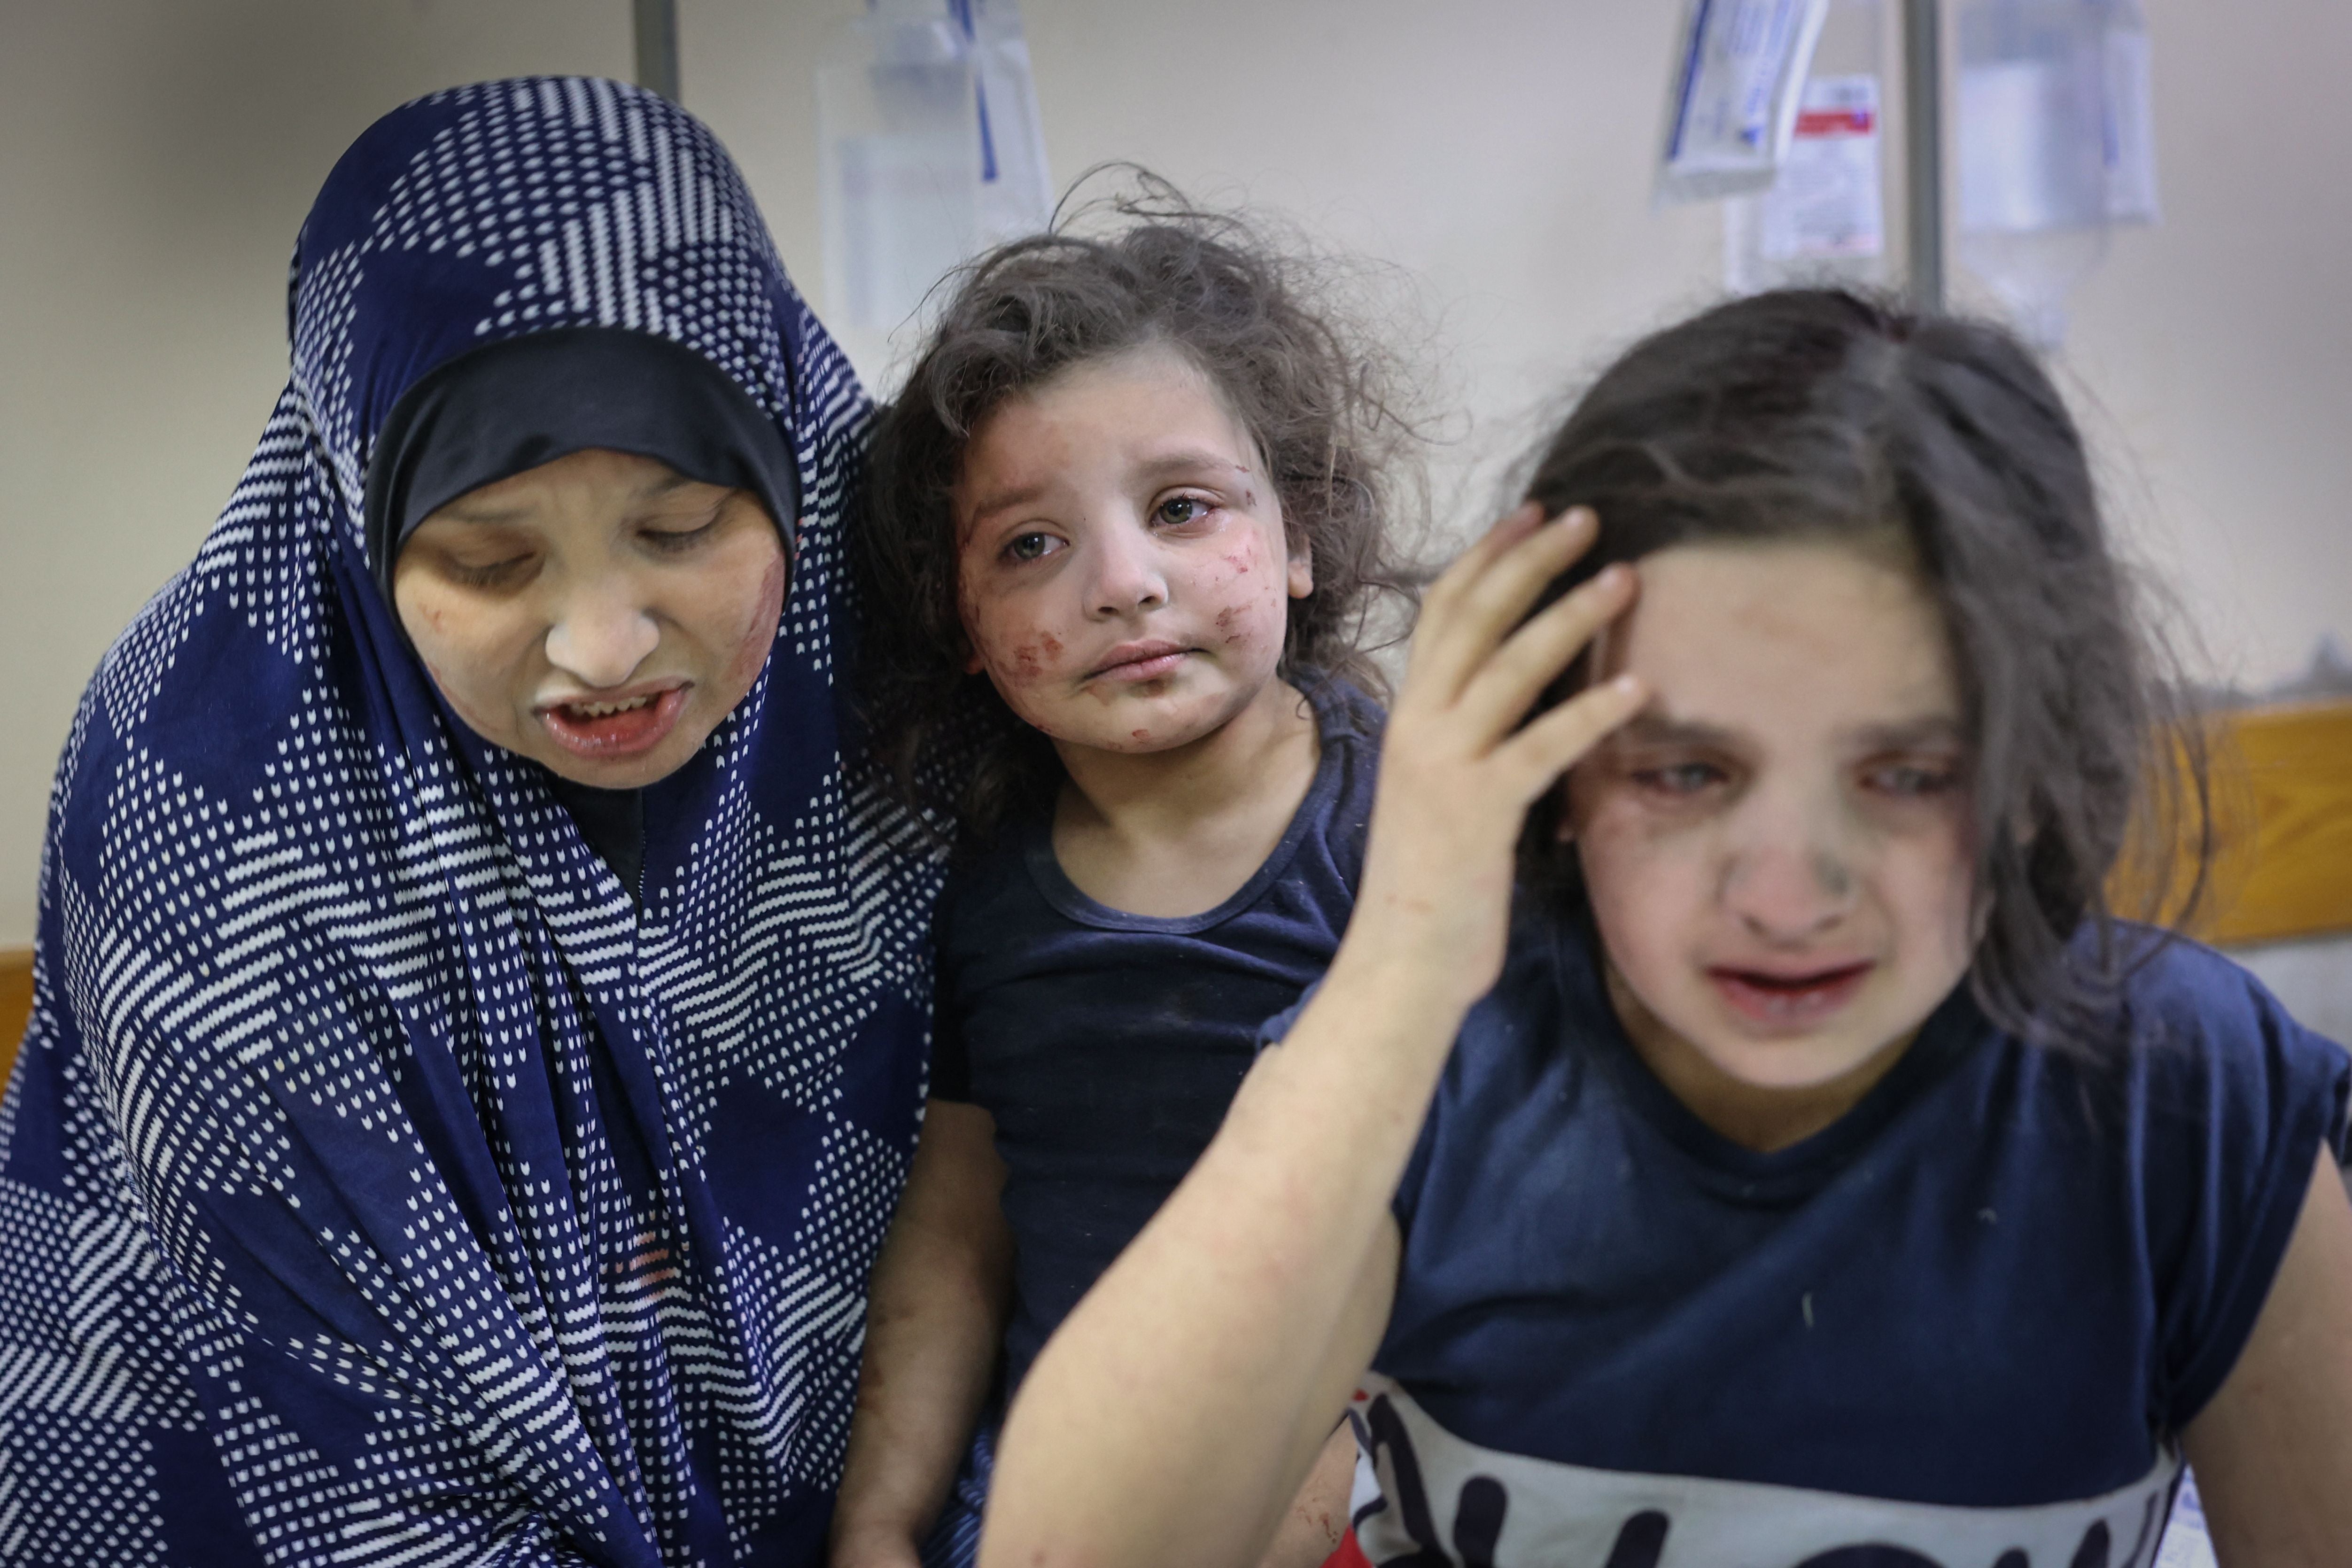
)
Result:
{"points": [[1482, 596], [1535, 757], [1500, 692]]}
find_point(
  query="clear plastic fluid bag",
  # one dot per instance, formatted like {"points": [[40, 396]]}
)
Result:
{"points": [[1016, 192], [2055, 146], [898, 136], [929, 149]]}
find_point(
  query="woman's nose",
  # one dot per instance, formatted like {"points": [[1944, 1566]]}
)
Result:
{"points": [[1128, 573], [599, 639]]}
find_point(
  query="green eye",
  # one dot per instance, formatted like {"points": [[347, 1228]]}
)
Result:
{"points": [[1029, 546], [1177, 511]]}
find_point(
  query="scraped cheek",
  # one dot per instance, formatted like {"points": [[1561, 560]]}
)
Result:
{"points": [[758, 635]]}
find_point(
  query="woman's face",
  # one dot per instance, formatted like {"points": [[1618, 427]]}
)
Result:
{"points": [[1779, 848], [600, 614]]}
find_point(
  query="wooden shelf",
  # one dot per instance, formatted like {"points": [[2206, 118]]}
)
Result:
{"points": [[2281, 792], [15, 1003]]}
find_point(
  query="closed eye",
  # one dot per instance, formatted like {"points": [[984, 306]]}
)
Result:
{"points": [[673, 540], [504, 574]]}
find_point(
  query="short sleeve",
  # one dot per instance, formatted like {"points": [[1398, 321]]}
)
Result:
{"points": [[2238, 1101], [1273, 1031]]}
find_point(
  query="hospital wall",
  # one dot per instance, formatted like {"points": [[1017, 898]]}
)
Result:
{"points": [[1494, 155]]}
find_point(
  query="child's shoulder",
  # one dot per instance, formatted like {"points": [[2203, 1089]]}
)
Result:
{"points": [[2219, 1068], [2182, 1004], [1343, 710]]}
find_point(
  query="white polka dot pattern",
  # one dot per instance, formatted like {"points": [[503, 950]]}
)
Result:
{"points": [[380, 1183]]}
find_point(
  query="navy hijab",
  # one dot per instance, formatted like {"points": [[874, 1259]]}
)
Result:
{"points": [[379, 1182]]}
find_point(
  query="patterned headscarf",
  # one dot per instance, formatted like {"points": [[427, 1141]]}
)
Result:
{"points": [[378, 1184]]}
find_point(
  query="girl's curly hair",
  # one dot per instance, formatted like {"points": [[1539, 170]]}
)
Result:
{"points": [[1823, 414], [1317, 400]]}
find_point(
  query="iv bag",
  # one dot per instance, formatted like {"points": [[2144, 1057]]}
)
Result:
{"points": [[2054, 129], [898, 136], [1016, 194], [929, 149]]}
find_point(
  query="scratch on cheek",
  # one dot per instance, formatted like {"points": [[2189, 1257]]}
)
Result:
{"points": [[751, 649], [1141, 734]]}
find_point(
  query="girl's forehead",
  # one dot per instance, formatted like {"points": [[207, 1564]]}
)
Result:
{"points": [[1146, 412], [1811, 634]]}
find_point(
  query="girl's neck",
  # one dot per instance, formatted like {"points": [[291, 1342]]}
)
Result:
{"points": [[1177, 832], [1754, 1116]]}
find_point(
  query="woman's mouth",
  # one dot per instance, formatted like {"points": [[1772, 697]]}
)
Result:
{"points": [[611, 727], [1137, 662], [1788, 1001]]}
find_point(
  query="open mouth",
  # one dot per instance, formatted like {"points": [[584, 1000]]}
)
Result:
{"points": [[615, 727], [1787, 1001]]}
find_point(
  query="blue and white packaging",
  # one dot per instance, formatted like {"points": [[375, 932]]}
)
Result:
{"points": [[1733, 108]]}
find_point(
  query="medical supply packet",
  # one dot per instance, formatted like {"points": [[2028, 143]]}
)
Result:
{"points": [[1733, 107]]}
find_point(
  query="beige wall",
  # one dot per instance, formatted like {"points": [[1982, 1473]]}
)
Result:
{"points": [[155, 159]]}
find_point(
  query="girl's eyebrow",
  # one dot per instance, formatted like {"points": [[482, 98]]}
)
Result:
{"points": [[1653, 728], [1936, 730], [1004, 500], [1189, 461]]}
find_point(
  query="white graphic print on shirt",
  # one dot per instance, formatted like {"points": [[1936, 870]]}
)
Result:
{"points": [[1427, 1499]]}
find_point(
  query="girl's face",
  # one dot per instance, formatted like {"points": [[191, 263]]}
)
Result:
{"points": [[1121, 565], [600, 614], [1778, 848]]}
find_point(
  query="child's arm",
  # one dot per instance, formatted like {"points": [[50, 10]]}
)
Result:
{"points": [[1173, 1415], [1317, 1520], [2272, 1451], [931, 1335]]}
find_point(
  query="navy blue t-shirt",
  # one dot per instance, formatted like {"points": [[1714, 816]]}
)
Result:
{"points": [[1961, 1326], [1108, 1044]]}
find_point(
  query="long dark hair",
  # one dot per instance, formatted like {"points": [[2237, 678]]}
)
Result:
{"points": [[1818, 414], [1317, 397]]}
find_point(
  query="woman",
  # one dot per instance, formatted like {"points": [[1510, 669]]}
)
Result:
{"points": [[478, 1034]]}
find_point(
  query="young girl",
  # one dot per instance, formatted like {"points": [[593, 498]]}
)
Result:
{"points": [[1811, 1170], [1131, 505]]}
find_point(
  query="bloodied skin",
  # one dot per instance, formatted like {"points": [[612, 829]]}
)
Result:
{"points": [[1112, 527]]}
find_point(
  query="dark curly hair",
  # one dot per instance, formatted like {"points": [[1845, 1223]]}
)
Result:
{"points": [[1821, 414], [1318, 399]]}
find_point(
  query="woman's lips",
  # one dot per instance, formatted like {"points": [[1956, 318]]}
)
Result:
{"points": [[613, 728], [1788, 1001], [1140, 661]]}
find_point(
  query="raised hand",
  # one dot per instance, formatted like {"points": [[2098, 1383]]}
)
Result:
{"points": [[1458, 770]]}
